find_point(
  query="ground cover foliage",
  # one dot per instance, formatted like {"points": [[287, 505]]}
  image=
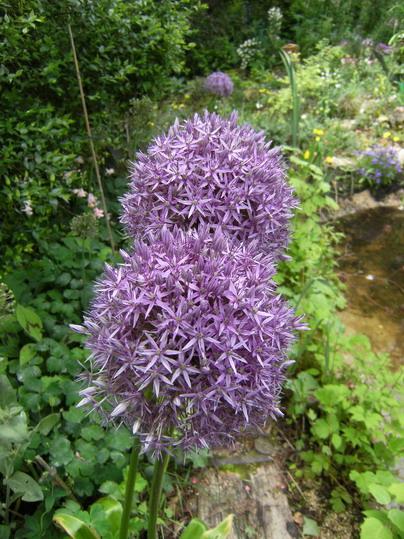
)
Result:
{"points": [[142, 67]]}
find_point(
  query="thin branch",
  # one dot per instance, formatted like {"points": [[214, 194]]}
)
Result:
{"points": [[55, 476], [90, 137]]}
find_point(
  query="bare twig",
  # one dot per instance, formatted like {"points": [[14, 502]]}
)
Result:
{"points": [[55, 476], [296, 485], [90, 137], [286, 438]]}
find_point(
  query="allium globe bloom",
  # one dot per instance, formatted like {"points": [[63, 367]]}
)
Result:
{"points": [[188, 341], [209, 170], [219, 83]]}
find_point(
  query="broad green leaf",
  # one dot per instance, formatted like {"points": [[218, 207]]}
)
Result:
{"points": [[378, 514], [310, 527], [29, 321], [221, 531], [372, 528], [380, 494], [14, 428], [194, 530], [47, 423], [74, 527], [397, 489], [7, 392], [27, 353], [321, 429], [397, 518], [23, 484], [108, 513], [336, 440], [330, 395], [4, 531]]}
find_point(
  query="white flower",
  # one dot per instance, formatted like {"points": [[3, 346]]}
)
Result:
{"points": [[109, 171], [80, 193], [27, 209], [98, 212]]}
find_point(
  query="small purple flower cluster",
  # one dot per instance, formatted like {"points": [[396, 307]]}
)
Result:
{"points": [[383, 48], [211, 171], [219, 83], [380, 165], [188, 336]]}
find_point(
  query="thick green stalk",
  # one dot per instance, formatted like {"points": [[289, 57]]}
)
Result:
{"points": [[130, 487], [155, 495]]}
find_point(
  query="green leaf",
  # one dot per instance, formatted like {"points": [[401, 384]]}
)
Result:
{"points": [[14, 428], [140, 483], [4, 531], [397, 489], [27, 353], [321, 429], [372, 528], [194, 530], [221, 531], [47, 423], [106, 514], [336, 440], [397, 518], [8, 394], [330, 395], [74, 527], [310, 527], [61, 452], [29, 321], [381, 494], [21, 483]]}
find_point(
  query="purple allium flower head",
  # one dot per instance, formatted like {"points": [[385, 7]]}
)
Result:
{"points": [[209, 170], [219, 83], [188, 341], [383, 48]]}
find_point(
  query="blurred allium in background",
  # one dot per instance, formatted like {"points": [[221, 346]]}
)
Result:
{"points": [[219, 83], [210, 170], [188, 337], [383, 48], [379, 165]]}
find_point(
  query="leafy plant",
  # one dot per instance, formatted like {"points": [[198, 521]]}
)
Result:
{"points": [[386, 522]]}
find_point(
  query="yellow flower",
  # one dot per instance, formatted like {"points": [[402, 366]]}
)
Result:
{"points": [[387, 134], [396, 139], [186, 96], [318, 132], [328, 160], [306, 155], [317, 139]]}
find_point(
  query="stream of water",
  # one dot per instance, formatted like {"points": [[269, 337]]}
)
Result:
{"points": [[371, 264]]}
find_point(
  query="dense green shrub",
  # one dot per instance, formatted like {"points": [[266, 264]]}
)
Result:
{"points": [[125, 49]]}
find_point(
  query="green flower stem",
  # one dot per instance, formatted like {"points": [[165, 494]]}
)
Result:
{"points": [[155, 495], [130, 486]]}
